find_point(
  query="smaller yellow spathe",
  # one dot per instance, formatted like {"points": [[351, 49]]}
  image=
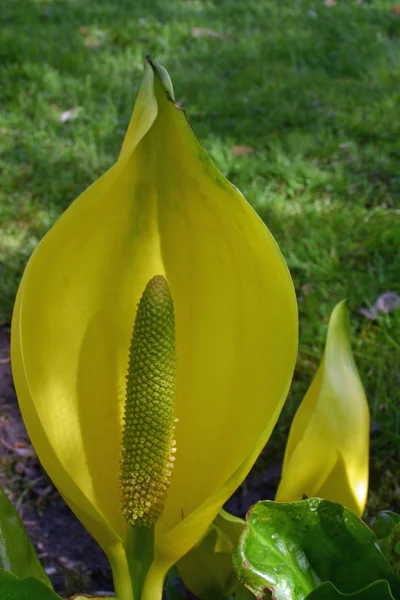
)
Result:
{"points": [[162, 210], [327, 453]]}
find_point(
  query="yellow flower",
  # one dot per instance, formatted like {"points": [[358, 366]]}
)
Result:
{"points": [[328, 447], [163, 210]]}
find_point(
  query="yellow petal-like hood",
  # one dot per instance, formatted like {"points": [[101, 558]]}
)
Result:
{"points": [[327, 452], [162, 209]]}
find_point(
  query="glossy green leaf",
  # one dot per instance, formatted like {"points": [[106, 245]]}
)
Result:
{"points": [[12, 588], [17, 554], [291, 548], [379, 590]]}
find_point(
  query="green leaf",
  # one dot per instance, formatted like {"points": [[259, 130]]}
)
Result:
{"points": [[290, 548], [12, 588], [385, 522], [17, 554], [388, 533], [379, 590]]}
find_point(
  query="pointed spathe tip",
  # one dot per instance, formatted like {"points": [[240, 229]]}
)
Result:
{"points": [[163, 75]]}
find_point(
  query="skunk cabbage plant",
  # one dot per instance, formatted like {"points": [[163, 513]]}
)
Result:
{"points": [[147, 419]]}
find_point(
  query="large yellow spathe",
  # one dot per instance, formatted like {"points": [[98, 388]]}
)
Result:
{"points": [[327, 453], [162, 209]]}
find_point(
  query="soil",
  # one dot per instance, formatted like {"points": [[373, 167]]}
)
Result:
{"points": [[70, 556]]}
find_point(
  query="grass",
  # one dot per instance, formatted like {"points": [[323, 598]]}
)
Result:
{"points": [[312, 90]]}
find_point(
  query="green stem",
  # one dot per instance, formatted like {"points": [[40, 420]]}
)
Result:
{"points": [[120, 570], [140, 553]]}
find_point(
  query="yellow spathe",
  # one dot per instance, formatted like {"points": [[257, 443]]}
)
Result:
{"points": [[327, 453], [162, 209]]}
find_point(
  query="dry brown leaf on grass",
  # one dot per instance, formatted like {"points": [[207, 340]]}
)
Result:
{"points": [[241, 150]]}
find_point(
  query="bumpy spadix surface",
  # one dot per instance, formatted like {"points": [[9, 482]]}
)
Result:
{"points": [[147, 441], [162, 209]]}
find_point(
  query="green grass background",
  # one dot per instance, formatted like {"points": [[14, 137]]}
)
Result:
{"points": [[314, 90]]}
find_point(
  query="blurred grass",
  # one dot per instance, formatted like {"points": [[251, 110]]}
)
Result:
{"points": [[313, 90]]}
